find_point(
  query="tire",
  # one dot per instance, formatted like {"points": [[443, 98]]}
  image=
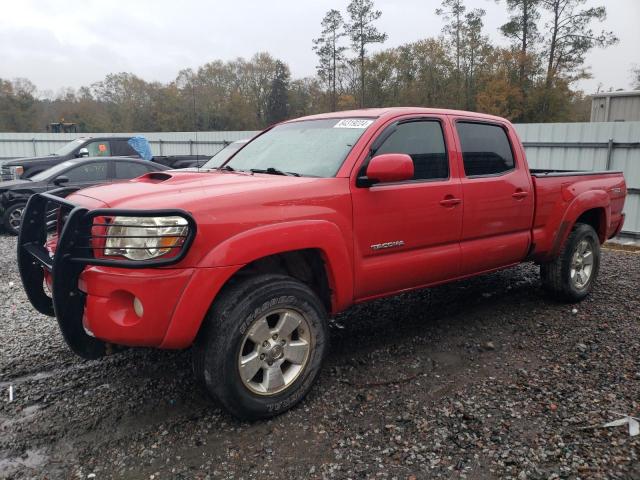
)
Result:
{"points": [[567, 276], [230, 346], [12, 216]]}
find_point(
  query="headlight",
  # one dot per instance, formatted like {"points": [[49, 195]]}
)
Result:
{"points": [[144, 238]]}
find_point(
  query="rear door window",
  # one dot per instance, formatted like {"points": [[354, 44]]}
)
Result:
{"points": [[485, 149], [88, 172], [121, 148], [125, 170], [423, 141]]}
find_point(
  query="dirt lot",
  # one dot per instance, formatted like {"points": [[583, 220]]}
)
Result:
{"points": [[492, 380]]}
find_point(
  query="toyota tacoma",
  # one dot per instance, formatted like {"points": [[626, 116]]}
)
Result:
{"points": [[245, 263]]}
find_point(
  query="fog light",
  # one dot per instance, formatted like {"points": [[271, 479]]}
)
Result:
{"points": [[137, 307]]}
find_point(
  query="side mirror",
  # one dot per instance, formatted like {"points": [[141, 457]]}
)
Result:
{"points": [[61, 180], [389, 167], [83, 152]]}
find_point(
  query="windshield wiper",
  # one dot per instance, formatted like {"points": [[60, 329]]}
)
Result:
{"points": [[274, 171], [226, 168]]}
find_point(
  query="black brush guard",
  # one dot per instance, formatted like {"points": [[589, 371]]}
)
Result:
{"points": [[74, 251]]}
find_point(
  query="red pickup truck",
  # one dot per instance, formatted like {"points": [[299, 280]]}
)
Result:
{"points": [[246, 262]]}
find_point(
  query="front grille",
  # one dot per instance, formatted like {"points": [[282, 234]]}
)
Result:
{"points": [[55, 217]]}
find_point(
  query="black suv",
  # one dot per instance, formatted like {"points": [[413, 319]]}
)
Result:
{"points": [[73, 174], [26, 167], [81, 147]]}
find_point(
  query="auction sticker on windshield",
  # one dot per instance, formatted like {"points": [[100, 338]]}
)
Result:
{"points": [[353, 123]]}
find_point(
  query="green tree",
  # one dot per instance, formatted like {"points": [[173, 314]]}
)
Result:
{"points": [[329, 52], [128, 98], [305, 97], [522, 30], [475, 49], [499, 92], [256, 77], [278, 100], [17, 105], [363, 32], [453, 13], [463, 31]]}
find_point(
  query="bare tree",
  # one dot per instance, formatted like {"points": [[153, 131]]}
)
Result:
{"points": [[571, 37], [635, 74]]}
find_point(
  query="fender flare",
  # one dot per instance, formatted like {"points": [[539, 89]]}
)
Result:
{"points": [[283, 237], [583, 202]]}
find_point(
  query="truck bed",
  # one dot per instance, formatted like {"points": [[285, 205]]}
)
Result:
{"points": [[560, 192]]}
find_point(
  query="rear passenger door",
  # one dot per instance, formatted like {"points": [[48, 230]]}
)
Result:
{"points": [[498, 197], [407, 233]]}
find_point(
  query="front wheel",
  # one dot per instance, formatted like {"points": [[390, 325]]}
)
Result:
{"points": [[12, 218], [262, 345], [572, 274]]}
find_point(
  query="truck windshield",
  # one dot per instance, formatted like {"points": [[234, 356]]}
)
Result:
{"points": [[313, 148], [69, 147]]}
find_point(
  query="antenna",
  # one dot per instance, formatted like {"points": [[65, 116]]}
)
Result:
{"points": [[195, 120]]}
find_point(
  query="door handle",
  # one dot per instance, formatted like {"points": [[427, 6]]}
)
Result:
{"points": [[450, 201], [519, 194]]}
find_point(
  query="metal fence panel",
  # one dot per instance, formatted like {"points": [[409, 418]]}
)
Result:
{"points": [[162, 143], [589, 146], [561, 146]]}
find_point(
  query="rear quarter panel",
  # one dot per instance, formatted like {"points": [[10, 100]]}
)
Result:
{"points": [[560, 200]]}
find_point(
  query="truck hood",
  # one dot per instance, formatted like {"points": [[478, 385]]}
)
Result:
{"points": [[185, 190], [11, 184], [28, 160]]}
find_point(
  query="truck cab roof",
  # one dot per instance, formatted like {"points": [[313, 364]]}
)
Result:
{"points": [[397, 111]]}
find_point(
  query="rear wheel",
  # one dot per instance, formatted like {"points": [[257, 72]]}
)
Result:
{"points": [[12, 218], [572, 274], [262, 346]]}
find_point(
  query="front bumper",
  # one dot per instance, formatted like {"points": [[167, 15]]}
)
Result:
{"points": [[93, 298]]}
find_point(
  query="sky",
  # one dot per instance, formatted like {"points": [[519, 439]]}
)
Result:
{"points": [[60, 44]]}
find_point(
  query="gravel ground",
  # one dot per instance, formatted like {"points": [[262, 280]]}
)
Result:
{"points": [[493, 380]]}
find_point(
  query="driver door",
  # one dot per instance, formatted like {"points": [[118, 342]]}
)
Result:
{"points": [[84, 175], [97, 148], [407, 234]]}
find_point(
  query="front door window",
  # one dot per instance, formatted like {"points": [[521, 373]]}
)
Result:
{"points": [[98, 149]]}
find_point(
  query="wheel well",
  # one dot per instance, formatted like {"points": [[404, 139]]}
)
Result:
{"points": [[307, 265], [596, 218]]}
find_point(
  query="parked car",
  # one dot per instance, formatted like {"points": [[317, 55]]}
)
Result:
{"points": [[26, 167], [223, 155], [220, 157], [73, 174], [309, 218]]}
